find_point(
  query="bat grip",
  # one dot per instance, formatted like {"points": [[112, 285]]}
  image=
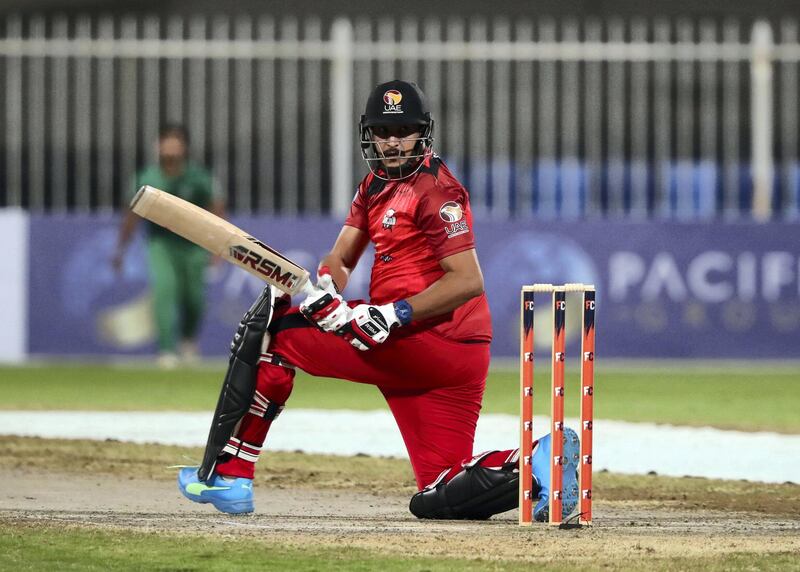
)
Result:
{"points": [[307, 288]]}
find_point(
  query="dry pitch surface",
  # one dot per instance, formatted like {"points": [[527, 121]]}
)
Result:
{"points": [[640, 522]]}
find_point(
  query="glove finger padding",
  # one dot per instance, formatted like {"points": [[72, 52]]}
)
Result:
{"points": [[348, 333], [369, 325], [337, 317], [324, 307], [373, 323], [325, 280]]}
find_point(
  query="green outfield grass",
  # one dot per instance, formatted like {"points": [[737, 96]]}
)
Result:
{"points": [[749, 397], [49, 548], [75, 549]]}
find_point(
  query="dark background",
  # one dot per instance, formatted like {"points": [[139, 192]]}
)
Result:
{"points": [[331, 8]]}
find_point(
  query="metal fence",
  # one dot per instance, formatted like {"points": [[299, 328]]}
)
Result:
{"points": [[539, 118]]}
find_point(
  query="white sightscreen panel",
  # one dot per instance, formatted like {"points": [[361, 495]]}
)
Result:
{"points": [[266, 112], [593, 134], [13, 140], [106, 119], [477, 144], [525, 131], [59, 113], [708, 175], [219, 134], [684, 118], [196, 117], [150, 81], [639, 126], [363, 82], [174, 73], [568, 164], [313, 104], [731, 125], [662, 124], [789, 126], [14, 285], [289, 113], [387, 69], [453, 143], [431, 78], [83, 118], [500, 126], [409, 68], [615, 127], [128, 114], [243, 120], [546, 134], [35, 106]]}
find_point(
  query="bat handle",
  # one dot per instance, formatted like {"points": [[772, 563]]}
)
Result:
{"points": [[307, 288]]}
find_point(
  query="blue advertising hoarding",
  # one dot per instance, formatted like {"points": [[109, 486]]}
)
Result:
{"points": [[666, 290]]}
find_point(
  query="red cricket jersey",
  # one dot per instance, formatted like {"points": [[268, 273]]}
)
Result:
{"points": [[414, 223]]}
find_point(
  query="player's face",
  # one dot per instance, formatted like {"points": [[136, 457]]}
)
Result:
{"points": [[172, 155], [395, 143]]}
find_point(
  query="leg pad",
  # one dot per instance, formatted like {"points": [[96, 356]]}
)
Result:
{"points": [[475, 493]]}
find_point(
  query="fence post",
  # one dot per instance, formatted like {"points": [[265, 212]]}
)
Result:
{"points": [[342, 125], [762, 120]]}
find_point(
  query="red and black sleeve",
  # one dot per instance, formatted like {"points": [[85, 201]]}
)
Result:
{"points": [[357, 217]]}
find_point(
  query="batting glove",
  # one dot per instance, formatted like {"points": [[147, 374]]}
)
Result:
{"points": [[324, 307], [371, 325]]}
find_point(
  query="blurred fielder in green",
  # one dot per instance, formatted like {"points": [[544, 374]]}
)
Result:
{"points": [[176, 266]]}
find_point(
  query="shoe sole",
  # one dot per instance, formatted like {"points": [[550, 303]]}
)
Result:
{"points": [[228, 507], [569, 476]]}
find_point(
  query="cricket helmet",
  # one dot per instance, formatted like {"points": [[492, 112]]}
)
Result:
{"points": [[391, 104]]}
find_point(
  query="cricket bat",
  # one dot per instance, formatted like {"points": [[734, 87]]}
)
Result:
{"points": [[221, 238]]}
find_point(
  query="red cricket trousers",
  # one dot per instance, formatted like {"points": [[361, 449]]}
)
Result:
{"points": [[433, 386]]}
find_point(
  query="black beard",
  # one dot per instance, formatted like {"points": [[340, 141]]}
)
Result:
{"points": [[406, 168]]}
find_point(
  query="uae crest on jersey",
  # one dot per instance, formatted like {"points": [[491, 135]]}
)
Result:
{"points": [[389, 220]]}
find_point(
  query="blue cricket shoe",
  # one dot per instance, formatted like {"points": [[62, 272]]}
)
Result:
{"points": [[541, 473], [227, 494]]}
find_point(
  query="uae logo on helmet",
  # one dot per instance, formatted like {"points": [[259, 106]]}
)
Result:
{"points": [[451, 212], [391, 101]]}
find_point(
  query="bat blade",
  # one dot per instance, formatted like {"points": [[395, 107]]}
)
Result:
{"points": [[221, 238]]}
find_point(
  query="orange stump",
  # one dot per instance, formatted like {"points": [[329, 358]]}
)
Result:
{"points": [[526, 408], [526, 498], [557, 404], [587, 407]]}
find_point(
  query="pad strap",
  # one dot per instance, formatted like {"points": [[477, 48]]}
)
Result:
{"points": [[263, 407], [242, 449], [274, 359]]}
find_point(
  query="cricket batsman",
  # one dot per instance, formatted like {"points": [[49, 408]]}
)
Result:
{"points": [[422, 338]]}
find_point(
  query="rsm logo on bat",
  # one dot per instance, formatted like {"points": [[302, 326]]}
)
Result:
{"points": [[263, 266]]}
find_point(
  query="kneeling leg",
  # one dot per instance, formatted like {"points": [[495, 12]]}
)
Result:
{"points": [[485, 485]]}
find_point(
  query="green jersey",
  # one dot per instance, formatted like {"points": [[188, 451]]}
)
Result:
{"points": [[195, 185]]}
